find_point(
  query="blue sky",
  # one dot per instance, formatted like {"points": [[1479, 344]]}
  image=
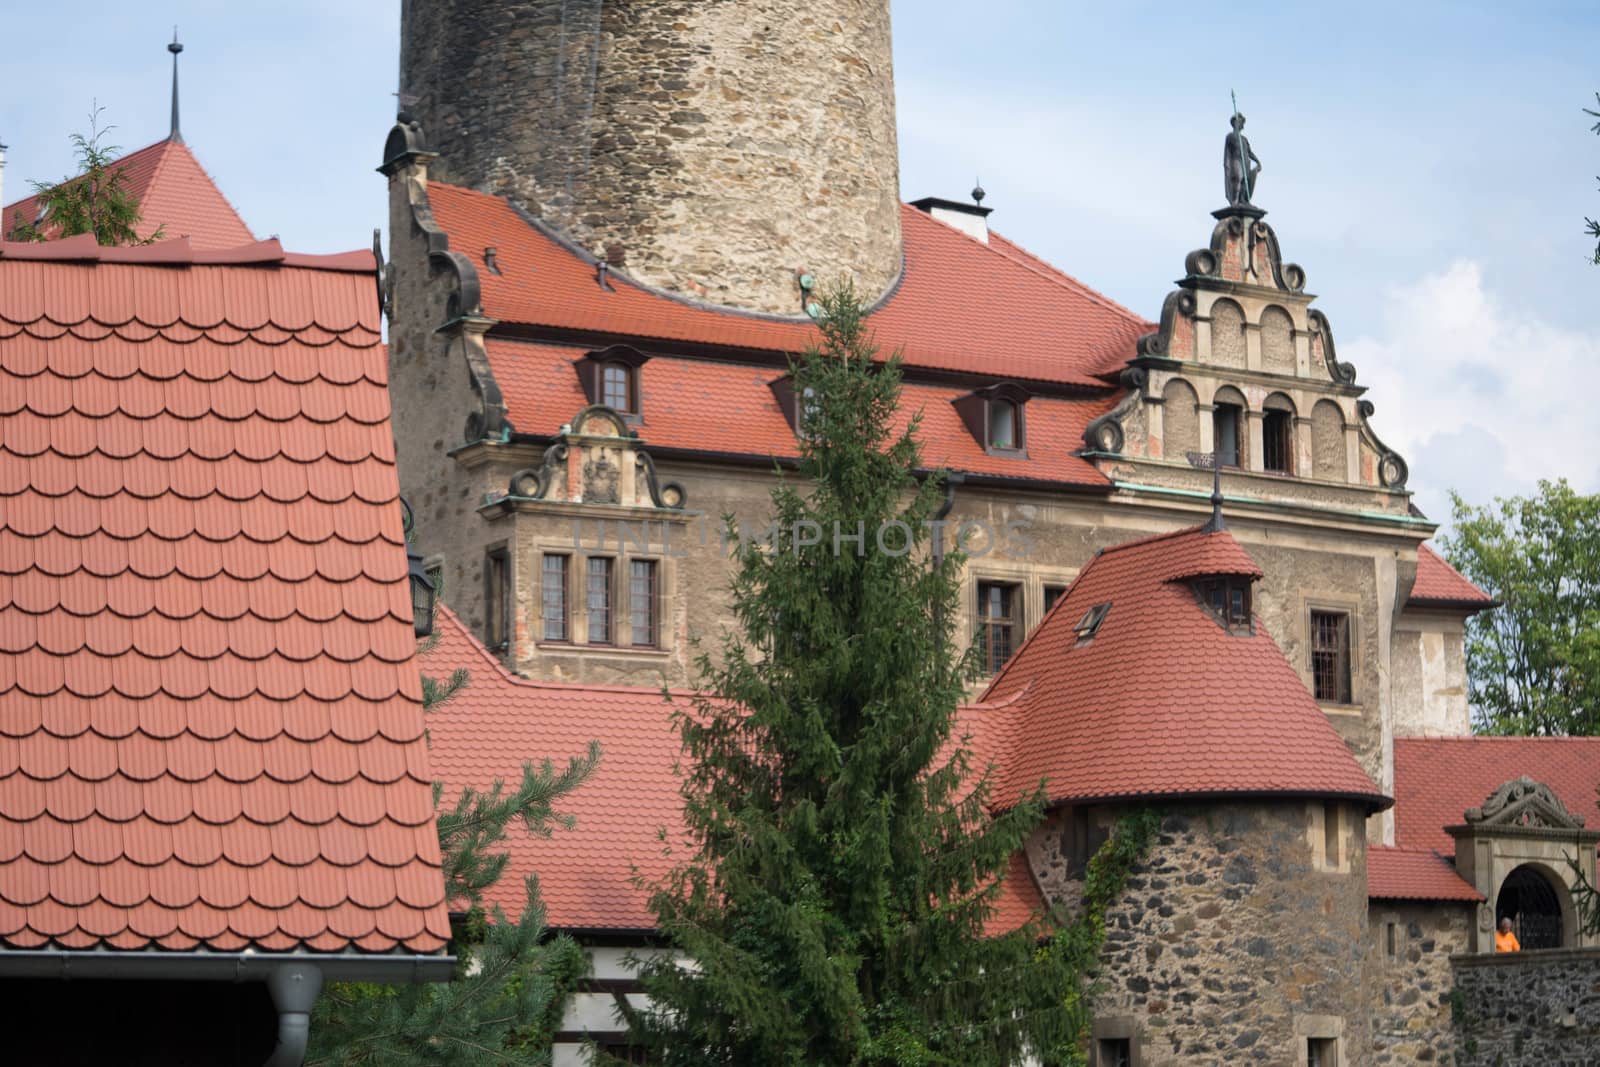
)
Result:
{"points": [[1427, 163]]}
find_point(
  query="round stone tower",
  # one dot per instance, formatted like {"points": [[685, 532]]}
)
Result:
{"points": [[710, 147]]}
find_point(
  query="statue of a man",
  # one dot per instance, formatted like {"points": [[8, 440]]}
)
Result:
{"points": [[1239, 164]]}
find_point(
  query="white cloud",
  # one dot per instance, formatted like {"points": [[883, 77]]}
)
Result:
{"points": [[1479, 394]]}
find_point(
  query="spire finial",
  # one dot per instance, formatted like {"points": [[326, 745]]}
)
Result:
{"points": [[977, 192], [1214, 461], [175, 48]]}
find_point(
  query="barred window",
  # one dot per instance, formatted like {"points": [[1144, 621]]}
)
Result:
{"points": [[599, 588], [497, 599], [553, 597], [997, 610], [1052, 593], [642, 602], [1330, 656]]}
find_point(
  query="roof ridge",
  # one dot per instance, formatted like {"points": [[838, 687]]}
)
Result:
{"points": [[201, 167], [1478, 738], [1062, 278]]}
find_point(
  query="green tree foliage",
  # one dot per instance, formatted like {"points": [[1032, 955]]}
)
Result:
{"points": [[844, 857], [95, 200], [1594, 224], [504, 1004], [1533, 664]]}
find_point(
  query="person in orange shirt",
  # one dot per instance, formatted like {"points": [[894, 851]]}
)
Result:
{"points": [[1505, 940]]}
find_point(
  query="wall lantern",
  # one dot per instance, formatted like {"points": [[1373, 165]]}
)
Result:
{"points": [[423, 594]]}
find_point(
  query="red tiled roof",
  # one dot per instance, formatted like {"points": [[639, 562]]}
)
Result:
{"points": [[173, 190], [1019, 900], [1436, 779], [1414, 874], [499, 721], [961, 305], [1163, 701], [542, 392], [1439, 583], [212, 734]]}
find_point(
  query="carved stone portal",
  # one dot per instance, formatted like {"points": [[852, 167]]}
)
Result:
{"points": [[1524, 802]]}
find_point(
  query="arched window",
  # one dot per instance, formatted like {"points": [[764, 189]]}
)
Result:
{"points": [[1002, 424], [1277, 435], [616, 387], [1227, 427], [1533, 905]]}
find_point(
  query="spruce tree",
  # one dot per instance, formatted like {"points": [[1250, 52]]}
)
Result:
{"points": [[95, 200], [844, 857], [512, 981]]}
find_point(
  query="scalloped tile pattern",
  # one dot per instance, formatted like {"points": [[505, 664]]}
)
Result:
{"points": [[1163, 701], [173, 191], [210, 711], [1414, 874]]}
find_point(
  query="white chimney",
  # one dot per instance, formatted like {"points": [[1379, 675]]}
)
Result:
{"points": [[971, 219], [2, 179]]}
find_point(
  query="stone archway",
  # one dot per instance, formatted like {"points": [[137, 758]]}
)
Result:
{"points": [[1533, 903]]}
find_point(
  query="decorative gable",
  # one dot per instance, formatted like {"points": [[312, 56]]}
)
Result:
{"points": [[596, 459]]}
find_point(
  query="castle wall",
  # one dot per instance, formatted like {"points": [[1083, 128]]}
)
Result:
{"points": [[1430, 676], [1539, 1009], [709, 147], [1237, 939], [1409, 989]]}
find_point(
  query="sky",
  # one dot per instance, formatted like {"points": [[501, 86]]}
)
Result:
{"points": [[1428, 164]]}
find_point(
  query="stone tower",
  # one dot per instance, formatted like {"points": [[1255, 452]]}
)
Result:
{"points": [[713, 148]]}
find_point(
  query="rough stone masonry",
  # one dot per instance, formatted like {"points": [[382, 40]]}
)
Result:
{"points": [[712, 148]]}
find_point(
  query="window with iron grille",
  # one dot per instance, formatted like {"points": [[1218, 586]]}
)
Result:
{"points": [[1322, 1052], [1225, 419], [599, 589], [1277, 442], [642, 602], [998, 606], [496, 599], [1330, 656], [1052, 593], [553, 598], [616, 387]]}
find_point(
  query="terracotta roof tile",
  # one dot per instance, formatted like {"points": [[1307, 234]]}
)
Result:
{"points": [[542, 392], [173, 190], [1163, 701], [1436, 779], [1440, 584], [200, 739], [1414, 874], [960, 305]]}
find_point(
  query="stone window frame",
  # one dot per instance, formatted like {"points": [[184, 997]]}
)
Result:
{"points": [[1015, 621], [1116, 1028], [577, 640], [1321, 1028], [1279, 406], [1402, 937], [1351, 607], [499, 551], [1317, 835]]}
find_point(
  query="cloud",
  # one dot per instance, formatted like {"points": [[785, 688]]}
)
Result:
{"points": [[1480, 394]]}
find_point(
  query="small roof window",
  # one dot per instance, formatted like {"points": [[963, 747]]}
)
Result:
{"points": [[996, 416], [1089, 625]]}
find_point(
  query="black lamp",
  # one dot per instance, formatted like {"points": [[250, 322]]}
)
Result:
{"points": [[423, 594]]}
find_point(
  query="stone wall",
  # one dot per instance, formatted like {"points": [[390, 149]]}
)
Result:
{"points": [[1409, 987], [709, 147], [1235, 939], [1536, 1008]]}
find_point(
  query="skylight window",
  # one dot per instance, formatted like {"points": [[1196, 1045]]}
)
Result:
{"points": [[1089, 625]]}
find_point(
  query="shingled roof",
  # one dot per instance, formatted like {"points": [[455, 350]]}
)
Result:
{"points": [[213, 734], [1440, 585], [1415, 874], [173, 190], [1164, 701]]}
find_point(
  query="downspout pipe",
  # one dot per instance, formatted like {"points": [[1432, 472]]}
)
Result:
{"points": [[294, 988]]}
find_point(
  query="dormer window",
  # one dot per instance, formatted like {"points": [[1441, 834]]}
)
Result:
{"points": [[1228, 601], [610, 376], [799, 410], [996, 418]]}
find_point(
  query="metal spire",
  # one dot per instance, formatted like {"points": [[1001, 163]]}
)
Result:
{"points": [[1212, 460], [175, 48]]}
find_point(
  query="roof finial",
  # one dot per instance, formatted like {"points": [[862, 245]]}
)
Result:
{"points": [[1214, 461], [175, 48], [977, 192]]}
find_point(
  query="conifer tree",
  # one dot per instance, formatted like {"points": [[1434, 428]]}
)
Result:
{"points": [[504, 1004], [844, 859], [95, 200]]}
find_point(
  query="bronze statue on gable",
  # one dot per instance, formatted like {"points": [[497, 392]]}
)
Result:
{"points": [[1239, 164]]}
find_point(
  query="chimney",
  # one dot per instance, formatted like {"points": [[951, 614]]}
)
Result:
{"points": [[971, 219], [2, 178]]}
